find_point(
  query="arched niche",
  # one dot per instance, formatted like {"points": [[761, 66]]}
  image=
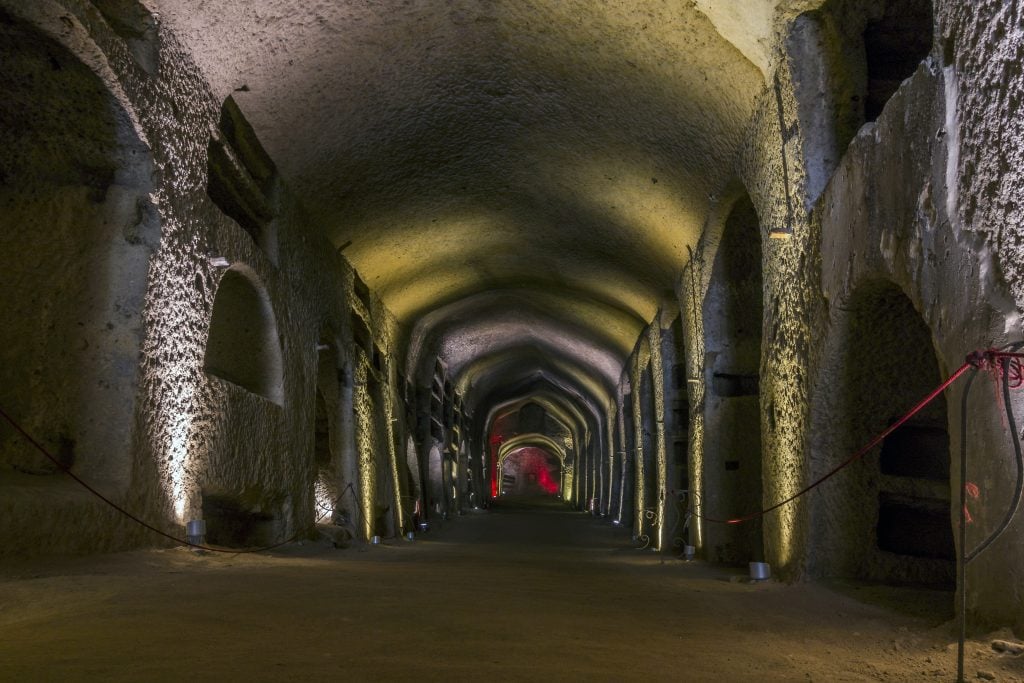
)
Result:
{"points": [[827, 74], [845, 66], [888, 516], [733, 312], [76, 233], [243, 346]]}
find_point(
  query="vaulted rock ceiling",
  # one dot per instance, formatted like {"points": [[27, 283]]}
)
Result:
{"points": [[519, 181]]}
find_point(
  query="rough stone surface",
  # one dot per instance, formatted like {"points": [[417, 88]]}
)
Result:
{"points": [[466, 153], [476, 206], [196, 437]]}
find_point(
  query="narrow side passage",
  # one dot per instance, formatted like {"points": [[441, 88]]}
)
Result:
{"points": [[529, 590]]}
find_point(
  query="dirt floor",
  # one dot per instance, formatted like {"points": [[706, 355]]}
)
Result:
{"points": [[515, 593]]}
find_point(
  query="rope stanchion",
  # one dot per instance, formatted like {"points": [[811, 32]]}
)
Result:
{"points": [[1008, 370], [160, 532]]}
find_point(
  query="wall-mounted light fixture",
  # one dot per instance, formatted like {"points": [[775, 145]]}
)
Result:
{"points": [[784, 231]]}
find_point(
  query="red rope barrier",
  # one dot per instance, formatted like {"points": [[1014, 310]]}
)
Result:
{"points": [[981, 360], [971, 363], [180, 541]]}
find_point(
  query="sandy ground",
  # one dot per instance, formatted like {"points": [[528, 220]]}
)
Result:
{"points": [[516, 593]]}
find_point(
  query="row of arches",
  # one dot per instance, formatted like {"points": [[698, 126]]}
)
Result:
{"points": [[887, 518], [532, 464]]}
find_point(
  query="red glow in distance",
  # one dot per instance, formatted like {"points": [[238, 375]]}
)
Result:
{"points": [[535, 466], [546, 482], [496, 441]]}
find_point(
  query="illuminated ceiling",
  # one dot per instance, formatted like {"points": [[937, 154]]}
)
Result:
{"points": [[519, 180]]}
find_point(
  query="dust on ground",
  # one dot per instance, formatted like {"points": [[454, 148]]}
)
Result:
{"points": [[519, 592]]}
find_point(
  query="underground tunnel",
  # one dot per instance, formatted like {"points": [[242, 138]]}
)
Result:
{"points": [[546, 339]]}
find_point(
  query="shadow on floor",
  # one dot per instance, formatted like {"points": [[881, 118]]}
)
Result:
{"points": [[936, 606]]}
